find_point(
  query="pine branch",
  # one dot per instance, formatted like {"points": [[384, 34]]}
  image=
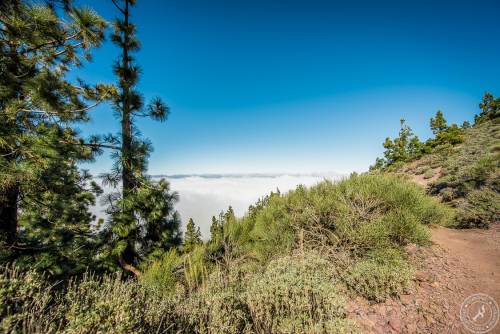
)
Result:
{"points": [[101, 100], [96, 145], [61, 43], [24, 248], [63, 51], [119, 8]]}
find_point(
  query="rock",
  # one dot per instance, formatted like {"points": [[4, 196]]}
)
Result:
{"points": [[411, 249], [395, 323], [420, 276], [406, 299]]}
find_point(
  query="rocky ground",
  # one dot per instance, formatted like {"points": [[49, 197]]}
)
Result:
{"points": [[458, 264]]}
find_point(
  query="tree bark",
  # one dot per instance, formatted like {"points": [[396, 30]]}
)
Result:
{"points": [[127, 173], [128, 267], [8, 214], [128, 179]]}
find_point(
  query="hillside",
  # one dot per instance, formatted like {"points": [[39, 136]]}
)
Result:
{"points": [[466, 175], [460, 262]]}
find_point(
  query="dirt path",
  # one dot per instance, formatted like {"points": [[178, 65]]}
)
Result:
{"points": [[478, 250], [458, 264]]}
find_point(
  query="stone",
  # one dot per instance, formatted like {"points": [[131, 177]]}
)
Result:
{"points": [[420, 276], [395, 323], [406, 299]]}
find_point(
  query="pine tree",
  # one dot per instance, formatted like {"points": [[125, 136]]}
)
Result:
{"points": [[143, 222], [39, 148], [192, 237], [404, 147], [490, 108], [229, 215], [216, 230], [438, 123]]}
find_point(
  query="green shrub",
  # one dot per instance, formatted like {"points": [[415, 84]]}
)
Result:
{"points": [[405, 227], [483, 168], [428, 174], [112, 305], [272, 233], [195, 267], [360, 213], [297, 295], [25, 298], [160, 273], [453, 135], [381, 274], [447, 194], [217, 308], [108, 304], [480, 209]]}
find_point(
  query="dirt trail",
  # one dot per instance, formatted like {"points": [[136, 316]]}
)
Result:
{"points": [[478, 250], [458, 264]]}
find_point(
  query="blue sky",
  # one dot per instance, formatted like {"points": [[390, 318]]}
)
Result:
{"points": [[299, 86]]}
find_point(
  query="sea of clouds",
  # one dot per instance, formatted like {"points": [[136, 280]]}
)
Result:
{"points": [[204, 196]]}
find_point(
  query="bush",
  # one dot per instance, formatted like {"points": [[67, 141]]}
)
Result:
{"points": [[360, 213], [428, 174], [297, 295], [480, 209], [195, 268], [483, 168], [453, 135], [160, 274], [108, 304], [112, 305], [217, 308], [383, 273], [24, 302]]}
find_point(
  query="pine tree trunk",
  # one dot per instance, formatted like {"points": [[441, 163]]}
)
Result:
{"points": [[8, 214], [127, 175], [9, 197], [129, 267], [128, 182]]}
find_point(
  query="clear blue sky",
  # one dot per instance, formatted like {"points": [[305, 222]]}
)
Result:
{"points": [[299, 86]]}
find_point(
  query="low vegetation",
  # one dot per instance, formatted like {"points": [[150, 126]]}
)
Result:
{"points": [[288, 266]]}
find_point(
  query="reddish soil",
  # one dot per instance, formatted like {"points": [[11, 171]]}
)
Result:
{"points": [[458, 264]]}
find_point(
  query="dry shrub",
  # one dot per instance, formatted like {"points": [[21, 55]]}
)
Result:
{"points": [[381, 274], [297, 295], [25, 301]]}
